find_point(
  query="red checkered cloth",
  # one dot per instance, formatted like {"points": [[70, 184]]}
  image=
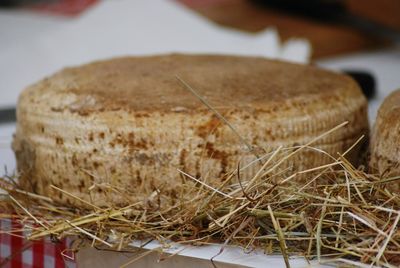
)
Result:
{"points": [[17, 252]]}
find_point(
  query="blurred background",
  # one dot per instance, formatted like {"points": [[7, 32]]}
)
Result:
{"points": [[39, 37]]}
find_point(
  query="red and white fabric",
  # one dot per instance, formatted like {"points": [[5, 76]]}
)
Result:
{"points": [[17, 252]]}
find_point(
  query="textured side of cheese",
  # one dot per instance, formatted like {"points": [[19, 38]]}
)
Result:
{"points": [[94, 129], [385, 140]]}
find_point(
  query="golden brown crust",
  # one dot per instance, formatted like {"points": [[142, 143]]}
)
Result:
{"points": [[149, 83], [128, 122], [385, 140]]}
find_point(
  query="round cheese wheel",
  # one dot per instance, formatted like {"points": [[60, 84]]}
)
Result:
{"points": [[385, 140], [129, 123]]}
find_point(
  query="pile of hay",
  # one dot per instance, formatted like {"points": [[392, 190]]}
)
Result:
{"points": [[334, 212]]}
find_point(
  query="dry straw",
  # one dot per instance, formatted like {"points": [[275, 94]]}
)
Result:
{"points": [[332, 213]]}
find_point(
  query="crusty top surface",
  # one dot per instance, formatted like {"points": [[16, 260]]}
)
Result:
{"points": [[386, 130], [150, 83], [390, 107]]}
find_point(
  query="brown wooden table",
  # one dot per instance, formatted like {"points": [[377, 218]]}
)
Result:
{"points": [[327, 39]]}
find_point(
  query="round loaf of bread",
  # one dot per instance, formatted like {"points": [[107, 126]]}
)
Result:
{"points": [[385, 140], [129, 123]]}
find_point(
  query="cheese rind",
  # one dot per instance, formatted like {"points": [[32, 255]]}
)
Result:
{"points": [[385, 139], [130, 124]]}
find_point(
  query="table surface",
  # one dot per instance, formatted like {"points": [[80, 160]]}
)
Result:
{"points": [[327, 39]]}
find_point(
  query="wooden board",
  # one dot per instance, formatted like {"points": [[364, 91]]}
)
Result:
{"points": [[90, 257]]}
